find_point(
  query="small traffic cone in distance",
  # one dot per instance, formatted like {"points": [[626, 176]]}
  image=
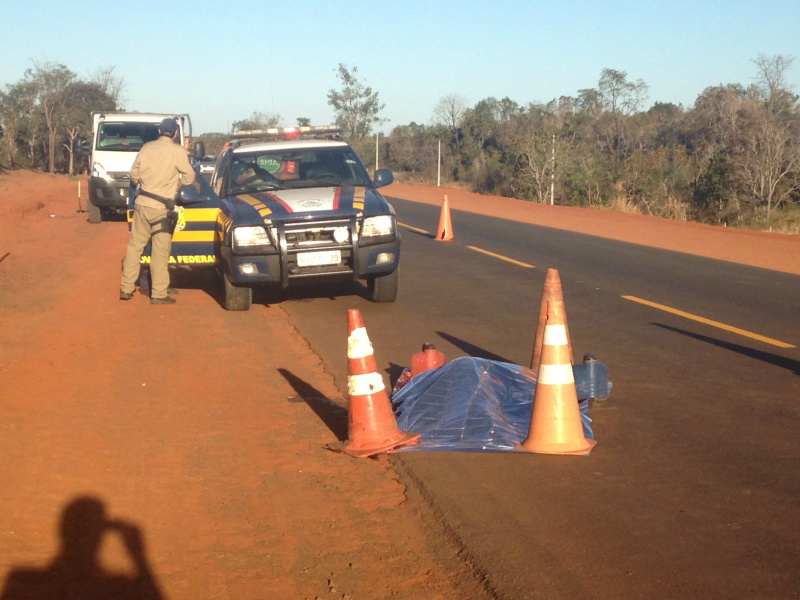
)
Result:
{"points": [[445, 233], [552, 293], [372, 427], [556, 426]]}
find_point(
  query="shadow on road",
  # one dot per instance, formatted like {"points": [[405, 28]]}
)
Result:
{"points": [[471, 349], [773, 359], [334, 415], [209, 281], [76, 571]]}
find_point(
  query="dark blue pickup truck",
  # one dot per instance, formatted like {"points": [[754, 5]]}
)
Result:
{"points": [[289, 212]]}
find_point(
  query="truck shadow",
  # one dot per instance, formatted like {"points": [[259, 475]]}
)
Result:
{"points": [[268, 295], [767, 357], [209, 281]]}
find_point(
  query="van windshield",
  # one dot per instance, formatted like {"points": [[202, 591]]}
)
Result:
{"points": [[125, 137]]}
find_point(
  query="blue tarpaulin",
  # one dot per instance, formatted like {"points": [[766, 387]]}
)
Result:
{"points": [[471, 404]]}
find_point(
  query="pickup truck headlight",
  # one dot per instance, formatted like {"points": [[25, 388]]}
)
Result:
{"points": [[99, 171], [382, 225], [250, 238]]}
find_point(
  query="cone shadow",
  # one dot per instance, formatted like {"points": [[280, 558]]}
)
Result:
{"points": [[471, 349], [333, 414], [394, 371]]}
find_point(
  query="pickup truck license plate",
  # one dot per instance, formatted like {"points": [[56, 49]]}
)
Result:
{"points": [[315, 259]]}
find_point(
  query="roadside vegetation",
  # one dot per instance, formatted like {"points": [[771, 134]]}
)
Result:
{"points": [[731, 159]]}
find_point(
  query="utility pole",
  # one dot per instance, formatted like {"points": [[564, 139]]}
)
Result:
{"points": [[377, 136], [552, 170], [439, 166]]}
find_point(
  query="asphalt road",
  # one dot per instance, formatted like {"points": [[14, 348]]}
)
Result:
{"points": [[692, 488]]}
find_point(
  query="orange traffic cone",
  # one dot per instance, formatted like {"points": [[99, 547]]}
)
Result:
{"points": [[372, 427], [445, 233], [556, 426], [552, 293]]}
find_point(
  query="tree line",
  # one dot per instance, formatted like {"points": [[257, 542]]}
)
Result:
{"points": [[42, 114], [733, 158]]}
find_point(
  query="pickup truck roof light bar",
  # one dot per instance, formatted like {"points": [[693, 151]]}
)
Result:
{"points": [[289, 133]]}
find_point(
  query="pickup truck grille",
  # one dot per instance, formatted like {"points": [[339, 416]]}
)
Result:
{"points": [[307, 235], [296, 237]]}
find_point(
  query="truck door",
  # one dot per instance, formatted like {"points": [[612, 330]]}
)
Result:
{"points": [[193, 242]]}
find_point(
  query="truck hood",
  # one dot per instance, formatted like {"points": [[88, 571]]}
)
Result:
{"points": [[115, 162], [278, 204]]}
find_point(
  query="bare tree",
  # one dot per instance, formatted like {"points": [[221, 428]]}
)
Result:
{"points": [[110, 84], [542, 153], [83, 98], [771, 80], [52, 82], [449, 112], [620, 95], [770, 156], [619, 99], [771, 153]]}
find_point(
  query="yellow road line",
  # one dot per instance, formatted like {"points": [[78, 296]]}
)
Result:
{"points": [[413, 228], [717, 324], [501, 257]]}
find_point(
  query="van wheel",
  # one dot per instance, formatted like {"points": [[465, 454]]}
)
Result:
{"points": [[384, 287], [235, 297], [95, 216]]}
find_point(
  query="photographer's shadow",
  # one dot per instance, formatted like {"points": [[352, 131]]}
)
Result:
{"points": [[76, 571]]}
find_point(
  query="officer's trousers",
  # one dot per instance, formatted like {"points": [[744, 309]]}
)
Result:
{"points": [[146, 221]]}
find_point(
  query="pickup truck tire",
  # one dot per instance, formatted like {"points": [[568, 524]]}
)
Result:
{"points": [[95, 216], [235, 297], [384, 287]]}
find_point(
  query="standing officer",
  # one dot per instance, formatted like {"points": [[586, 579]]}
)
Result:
{"points": [[161, 167]]}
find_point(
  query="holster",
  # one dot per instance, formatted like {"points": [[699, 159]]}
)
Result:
{"points": [[170, 221]]}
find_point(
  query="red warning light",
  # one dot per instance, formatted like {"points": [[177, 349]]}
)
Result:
{"points": [[288, 170]]}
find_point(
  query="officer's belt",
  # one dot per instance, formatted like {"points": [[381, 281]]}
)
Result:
{"points": [[168, 202]]}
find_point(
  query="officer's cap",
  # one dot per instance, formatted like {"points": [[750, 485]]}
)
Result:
{"points": [[168, 126]]}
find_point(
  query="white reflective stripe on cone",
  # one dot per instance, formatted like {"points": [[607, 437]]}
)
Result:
{"points": [[358, 344], [555, 374], [555, 335], [362, 385]]}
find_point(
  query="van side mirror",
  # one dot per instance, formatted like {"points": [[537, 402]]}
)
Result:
{"points": [[199, 150], [81, 147]]}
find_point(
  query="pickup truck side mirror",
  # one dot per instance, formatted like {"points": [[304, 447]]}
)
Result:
{"points": [[383, 177], [188, 194]]}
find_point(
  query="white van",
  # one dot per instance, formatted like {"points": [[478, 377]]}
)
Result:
{"points": [[116, 140]]}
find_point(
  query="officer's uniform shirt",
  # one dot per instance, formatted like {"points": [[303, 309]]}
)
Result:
{"points": [[161, 167]]}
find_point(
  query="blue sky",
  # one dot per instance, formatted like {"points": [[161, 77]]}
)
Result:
{"points": [[221, 61]]}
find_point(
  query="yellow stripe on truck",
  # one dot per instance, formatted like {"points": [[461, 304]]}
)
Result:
{"points": [[201, 214], [193, 236]]}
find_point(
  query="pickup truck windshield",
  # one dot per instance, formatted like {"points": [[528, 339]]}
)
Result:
{"points": [[293, 169]]}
